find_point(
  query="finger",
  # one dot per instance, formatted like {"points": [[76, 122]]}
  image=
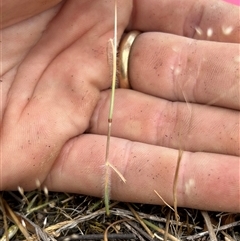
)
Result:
{"points": [[152, 120], [215, 20], [12, 15], [180, 69], [202, 176]]}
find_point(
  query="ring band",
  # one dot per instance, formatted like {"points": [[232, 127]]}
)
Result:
{"points": [[123, 59]]}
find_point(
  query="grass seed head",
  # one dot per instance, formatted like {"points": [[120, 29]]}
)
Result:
{"points": [[227, 30], [209, 32], [198, 30], [21, 191], [45, 189], [38, 183]]}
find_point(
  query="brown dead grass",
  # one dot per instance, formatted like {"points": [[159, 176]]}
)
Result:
{"points": [[63, 216]]}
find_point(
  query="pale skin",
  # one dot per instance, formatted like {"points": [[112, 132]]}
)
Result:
{"points": [[55, 100]]}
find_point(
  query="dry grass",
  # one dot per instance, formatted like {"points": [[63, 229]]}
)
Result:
{"points": [[62, 216]]}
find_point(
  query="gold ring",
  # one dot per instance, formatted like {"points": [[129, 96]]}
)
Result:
{"points": [[123, 59]]}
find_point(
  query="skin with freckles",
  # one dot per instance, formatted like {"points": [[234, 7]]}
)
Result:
{"points": [[184, 73]]}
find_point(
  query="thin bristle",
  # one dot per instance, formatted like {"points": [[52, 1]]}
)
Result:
{"points": [[107, 179], [107, 189]]}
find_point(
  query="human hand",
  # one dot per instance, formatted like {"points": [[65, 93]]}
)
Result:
{"points": [[66, 82], [55, 65]]}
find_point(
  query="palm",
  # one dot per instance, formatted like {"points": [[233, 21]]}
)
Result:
{"points": [[55, 88]]}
